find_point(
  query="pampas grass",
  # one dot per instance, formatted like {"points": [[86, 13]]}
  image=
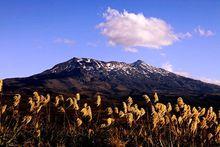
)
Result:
{"points": [[1, 85], [98, 102], [77, 122]]}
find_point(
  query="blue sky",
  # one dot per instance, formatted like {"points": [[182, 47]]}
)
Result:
{"points": [[37, 34]]}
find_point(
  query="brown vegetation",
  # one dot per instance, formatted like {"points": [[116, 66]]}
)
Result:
{"points": [[43, 120]]}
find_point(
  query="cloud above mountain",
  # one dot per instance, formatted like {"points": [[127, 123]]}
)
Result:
{"points": [[132, 30], [169, 67], [66, 41], [203, 32]]}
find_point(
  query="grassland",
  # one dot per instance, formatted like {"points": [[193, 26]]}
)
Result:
{"points": [[45, 121]]}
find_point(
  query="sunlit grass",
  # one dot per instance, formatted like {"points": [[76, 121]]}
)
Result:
{"points": [[60, 121]]}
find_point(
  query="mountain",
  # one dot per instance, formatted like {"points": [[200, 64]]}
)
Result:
{"points": [[112, 79]]}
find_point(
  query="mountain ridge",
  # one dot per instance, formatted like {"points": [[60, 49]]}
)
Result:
{"points": [[111, 79]]}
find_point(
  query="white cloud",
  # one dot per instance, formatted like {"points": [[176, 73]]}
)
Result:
{"points": [[183, 73], [203, 32], [129, 49], [212, 81], [132, 30], [163, 54], [169, 67], [65, 41], [185, 35]]}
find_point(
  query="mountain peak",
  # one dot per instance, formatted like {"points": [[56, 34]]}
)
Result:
{"points": [[116, 79], [141, 64], [138, 62]]}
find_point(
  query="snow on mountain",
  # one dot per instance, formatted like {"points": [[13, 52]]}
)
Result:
{"points": [[112, 79], [93, 65]]}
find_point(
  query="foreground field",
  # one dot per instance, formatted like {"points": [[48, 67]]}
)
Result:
{"points": [[46, 121]]}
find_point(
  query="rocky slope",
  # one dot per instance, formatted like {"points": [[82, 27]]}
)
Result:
{"points": [[112, 79]]}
